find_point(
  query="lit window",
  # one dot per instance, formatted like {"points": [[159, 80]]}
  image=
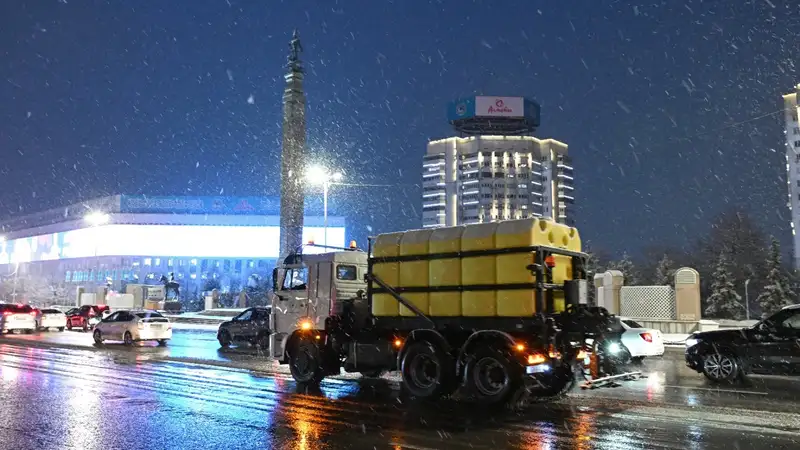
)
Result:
{"points": [[158, 261], [148, 262]]}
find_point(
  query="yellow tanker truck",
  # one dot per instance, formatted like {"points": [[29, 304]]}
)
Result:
{"points": [[497, 308]]}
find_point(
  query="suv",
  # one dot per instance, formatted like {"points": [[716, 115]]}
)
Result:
{"points": [[770, 347], [17, 317], [86, 316]]}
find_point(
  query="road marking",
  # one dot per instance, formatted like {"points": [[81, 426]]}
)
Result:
{"points": [[733, 391]]}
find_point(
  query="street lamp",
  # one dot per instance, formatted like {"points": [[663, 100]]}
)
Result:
{"points": [[746, 300], [322, 175]]}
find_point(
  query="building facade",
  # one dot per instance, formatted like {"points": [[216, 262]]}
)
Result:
{"points": [[792, 133], [489, 178], [227, 239]]}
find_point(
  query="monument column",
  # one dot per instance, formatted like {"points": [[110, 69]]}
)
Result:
{"points": [[293, 152]]}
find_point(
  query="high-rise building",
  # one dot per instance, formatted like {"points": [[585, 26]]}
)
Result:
{"points": [[498, 176], [793, 166], [293, 151]]}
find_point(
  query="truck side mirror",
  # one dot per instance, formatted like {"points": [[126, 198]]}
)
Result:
{"points": [[275, 279]]}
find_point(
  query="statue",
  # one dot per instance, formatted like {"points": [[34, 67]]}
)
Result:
{"points": [[171, 285], [295, 48]]}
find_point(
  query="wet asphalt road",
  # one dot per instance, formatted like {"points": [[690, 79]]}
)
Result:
{"points": [[58, 390]]}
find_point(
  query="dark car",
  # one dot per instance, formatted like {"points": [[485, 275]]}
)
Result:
{"points": [[251, 326], [770, 347]]}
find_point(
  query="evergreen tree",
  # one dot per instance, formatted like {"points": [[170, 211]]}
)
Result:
{"points": [[628, 269], [724, 302], [778, 291], [665, 272]]}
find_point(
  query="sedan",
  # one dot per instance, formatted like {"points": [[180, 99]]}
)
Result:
{"points": [[641, 342], [17, 317], [52, 318], [133, 326]]}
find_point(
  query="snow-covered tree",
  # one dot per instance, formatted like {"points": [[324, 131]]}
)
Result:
{"points": [[724, 302], [665, 272], [778, 291], [628, 269]]}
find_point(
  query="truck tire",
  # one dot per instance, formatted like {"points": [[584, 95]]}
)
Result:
{"points": [[305, 363], [428, 372], [553, 385], [492, 376]]}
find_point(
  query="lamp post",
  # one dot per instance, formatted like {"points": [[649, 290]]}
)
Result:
{"points": [[95, 219], [746, 300], [321, 175]]}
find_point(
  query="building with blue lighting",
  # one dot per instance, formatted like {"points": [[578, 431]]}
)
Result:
{"points": [[141, 238]]}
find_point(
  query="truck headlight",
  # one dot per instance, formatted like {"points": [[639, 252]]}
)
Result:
{"points": [[614, 348], [691, 342]]}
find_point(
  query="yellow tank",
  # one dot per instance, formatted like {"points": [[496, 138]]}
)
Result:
{"points": [[511, 268], [386, 245], [445, 272], [478, 270], [415, 273]]}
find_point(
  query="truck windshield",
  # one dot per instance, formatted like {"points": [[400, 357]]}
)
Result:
{"points": [[295, 279]]}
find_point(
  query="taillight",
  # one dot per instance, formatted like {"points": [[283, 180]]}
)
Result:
{"points": [[33, 313], [7, 313], [647, 337]]}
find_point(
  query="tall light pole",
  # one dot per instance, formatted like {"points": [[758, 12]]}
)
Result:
{"points": [[322, 175], [746, 300]]}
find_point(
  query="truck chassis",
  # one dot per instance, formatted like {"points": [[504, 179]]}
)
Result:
{"points": [[496, 359]]}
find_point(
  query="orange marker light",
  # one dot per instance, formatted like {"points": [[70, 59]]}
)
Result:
{"points": [[550, 261], [398, 343], [520, 347], [305, 325], [536, 359]]}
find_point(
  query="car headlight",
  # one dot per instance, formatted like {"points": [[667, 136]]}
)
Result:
{"points": [[614, 348], [691, 342]]}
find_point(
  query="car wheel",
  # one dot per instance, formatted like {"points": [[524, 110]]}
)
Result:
{"points": [[224, 339], [85, 327], [98, 338], [128, 338], [162, 342], [721, 367], [637, 360], [60, 328], [69, 326]]}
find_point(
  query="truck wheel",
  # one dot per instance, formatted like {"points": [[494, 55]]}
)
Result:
{"points": [[427, 371], [554, 384], [492, 376], [305, 363]]}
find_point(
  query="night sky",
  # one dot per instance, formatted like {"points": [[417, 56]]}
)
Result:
{"points": [[671, 109]]}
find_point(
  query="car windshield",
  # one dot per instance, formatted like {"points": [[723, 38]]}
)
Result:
{"points": [[147, 315], [632, 323]]}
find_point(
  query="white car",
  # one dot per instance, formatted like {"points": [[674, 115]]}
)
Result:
{"points": [[132, 326], [53, 318], [17, 317], [641, 342]]}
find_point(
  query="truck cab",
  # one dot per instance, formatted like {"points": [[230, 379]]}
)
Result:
{"points": [[309, 288]]}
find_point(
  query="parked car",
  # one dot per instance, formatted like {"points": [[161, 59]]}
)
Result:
{"points": [[251, 326], [17, 317], [133, 326], [52, 318], [770, 347], [86, 316]]}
